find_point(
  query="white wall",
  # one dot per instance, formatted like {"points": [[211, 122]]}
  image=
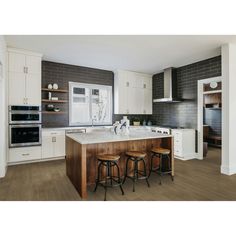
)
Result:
{"points": [[3, 111], [228, 165]]}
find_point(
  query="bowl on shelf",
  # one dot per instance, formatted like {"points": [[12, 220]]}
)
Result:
{"points": [[50, 107], [56, 109]]}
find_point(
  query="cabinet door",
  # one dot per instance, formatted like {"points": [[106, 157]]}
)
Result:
{"points": [[59, 146], [147, 82], [33, 89], [47, 147], [16, 88], [16, 62], [147, 101], [33, 65], [137, 101], [123, 100]]}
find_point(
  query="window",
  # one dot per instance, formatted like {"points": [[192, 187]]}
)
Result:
{"points": [[90, 103]]}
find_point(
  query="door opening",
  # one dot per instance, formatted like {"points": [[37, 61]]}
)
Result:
{"points": [[209, 119]]}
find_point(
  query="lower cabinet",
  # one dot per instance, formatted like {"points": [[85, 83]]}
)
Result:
{"points": [[24, 154], [53, 144], [184, 143]]}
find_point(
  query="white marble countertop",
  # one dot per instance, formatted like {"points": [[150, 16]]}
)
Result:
{"points": [[107, 137], [94, 127]]}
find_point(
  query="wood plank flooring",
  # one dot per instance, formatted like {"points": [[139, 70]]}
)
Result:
{"points": [[194, 180]]}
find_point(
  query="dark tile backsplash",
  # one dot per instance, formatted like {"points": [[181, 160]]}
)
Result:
{"points": [[183, 114], [62, 74]]}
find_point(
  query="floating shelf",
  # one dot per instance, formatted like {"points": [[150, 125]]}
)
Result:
{"points": [[55, 90], [54, 112], [54, 101]]}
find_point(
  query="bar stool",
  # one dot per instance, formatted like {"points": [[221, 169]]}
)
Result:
{"points": [[136, 157], [109, 161], [162, 154]]}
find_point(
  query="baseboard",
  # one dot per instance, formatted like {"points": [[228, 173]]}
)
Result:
{"points": [[187, 157], [35, 161], [228, 170]]}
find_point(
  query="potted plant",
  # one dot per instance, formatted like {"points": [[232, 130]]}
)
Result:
{"points": [[136, 121]]}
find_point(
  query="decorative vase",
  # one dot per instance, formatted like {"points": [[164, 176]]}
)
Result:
{"points": [[55, 86]]}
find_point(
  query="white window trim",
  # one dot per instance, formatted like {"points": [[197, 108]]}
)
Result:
{"points": [[90, 86]]}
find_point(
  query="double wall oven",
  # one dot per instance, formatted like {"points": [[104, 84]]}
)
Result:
{"points": [[24, 126]]}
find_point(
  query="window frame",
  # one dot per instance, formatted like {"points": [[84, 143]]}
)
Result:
{"points": [[90, 87]]}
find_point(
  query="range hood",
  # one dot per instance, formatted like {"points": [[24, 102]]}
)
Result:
{"points": [[170, 87]]}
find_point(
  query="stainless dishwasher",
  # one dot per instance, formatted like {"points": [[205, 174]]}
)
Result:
{"points": [[72, 131]]}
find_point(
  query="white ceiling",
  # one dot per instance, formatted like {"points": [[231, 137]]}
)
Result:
{"points": [[149, 54]]}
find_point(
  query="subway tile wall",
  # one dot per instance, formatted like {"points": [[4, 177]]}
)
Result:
{"points": [[62, 74], [183, 114]]}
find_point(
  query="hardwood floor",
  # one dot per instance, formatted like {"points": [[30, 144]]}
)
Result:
{"points": [[194, 180]]}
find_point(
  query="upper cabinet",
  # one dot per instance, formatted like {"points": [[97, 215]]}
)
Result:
{"points": [[24, 76], [133, 93]]}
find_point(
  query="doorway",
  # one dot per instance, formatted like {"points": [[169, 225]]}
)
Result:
{"points": [[209, 120]]}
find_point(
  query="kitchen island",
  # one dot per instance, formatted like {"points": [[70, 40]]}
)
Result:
{"points": [[82, 150]]}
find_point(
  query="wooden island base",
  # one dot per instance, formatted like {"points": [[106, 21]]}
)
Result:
{"points": [[81, 159]]}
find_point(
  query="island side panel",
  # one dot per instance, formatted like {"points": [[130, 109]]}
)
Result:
{"points": [[76, 166], [169, 143], [120, 148]]}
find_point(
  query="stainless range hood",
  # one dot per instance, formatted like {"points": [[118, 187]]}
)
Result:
{"points": [[170, 87]]}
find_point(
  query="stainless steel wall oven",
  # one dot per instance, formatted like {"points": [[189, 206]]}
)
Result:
{"points": [[24, 126]]}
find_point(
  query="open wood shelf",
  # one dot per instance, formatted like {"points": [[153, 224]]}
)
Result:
{"points": [[54, 101], [55, 90], [54, 112]]}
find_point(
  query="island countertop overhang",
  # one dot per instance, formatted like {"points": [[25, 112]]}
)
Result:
{"points": [[109, 137]]}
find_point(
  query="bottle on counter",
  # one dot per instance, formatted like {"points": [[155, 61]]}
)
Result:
{"points": [[125, 123]]}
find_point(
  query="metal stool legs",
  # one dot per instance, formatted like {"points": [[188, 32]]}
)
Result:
{"points": [[136, 171], [159, 170], [106, 184]]}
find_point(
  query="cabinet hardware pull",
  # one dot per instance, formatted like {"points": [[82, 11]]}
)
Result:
{"points": [[144, 86], [25, 154], [127, 84], [54, 139]]}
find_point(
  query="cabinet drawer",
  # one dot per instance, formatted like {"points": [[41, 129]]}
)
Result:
{"points": [[53, 132], [178, 152], [24, 154]]}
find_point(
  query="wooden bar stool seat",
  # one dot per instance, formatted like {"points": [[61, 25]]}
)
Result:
{"points": [[137, 174], [159, 150], [136, 154], [110, 162], [108, 157], [162, 154]]}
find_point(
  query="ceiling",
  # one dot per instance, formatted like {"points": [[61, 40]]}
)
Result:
{"points": [[148, 54]]}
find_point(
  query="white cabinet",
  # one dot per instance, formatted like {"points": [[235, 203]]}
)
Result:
{"points": [[184, 143], [24, 73], [133, 93], [24, 154], [53, 144]]}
